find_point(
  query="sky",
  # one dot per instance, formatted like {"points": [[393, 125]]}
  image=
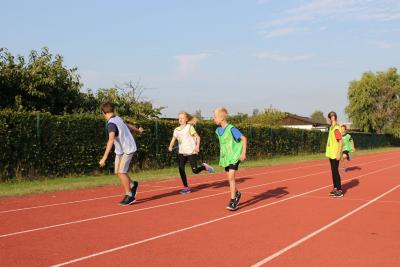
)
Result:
{"points": [[296, 55]]}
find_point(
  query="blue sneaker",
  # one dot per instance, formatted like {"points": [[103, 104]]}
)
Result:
{"points": [[185, 190], [209, 168]]}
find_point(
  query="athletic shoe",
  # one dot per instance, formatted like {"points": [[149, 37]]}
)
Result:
{"points": [[232, 205], [338, 194], [208, 168], [333, 192], [344, 169], [185, 190], [134, 189], [238, 195], [128, 200]]}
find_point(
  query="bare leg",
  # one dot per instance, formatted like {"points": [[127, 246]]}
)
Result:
{"points": [[232, 183], [344, 160], [126, 182]]}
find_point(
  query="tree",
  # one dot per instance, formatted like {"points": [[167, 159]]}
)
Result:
{"points": [[270, 116], [256, 111], [41, 82], [374, 101], [239, 118], [198, 115], [128, 101], [318, 117]]}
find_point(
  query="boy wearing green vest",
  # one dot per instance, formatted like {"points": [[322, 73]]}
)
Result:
{"points": [[334, 153], [348, 146], [233, 146]]}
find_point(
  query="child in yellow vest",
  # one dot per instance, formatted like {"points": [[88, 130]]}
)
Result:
{"points": [[233, 146], [334, 153]]}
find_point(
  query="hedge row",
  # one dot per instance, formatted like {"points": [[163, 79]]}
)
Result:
{"points": [[40, 144]]}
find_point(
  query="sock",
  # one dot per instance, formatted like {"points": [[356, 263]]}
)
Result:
{"points": [[129, 194]]}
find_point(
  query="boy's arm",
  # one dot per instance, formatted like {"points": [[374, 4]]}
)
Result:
{"points": [[135, 129], [111, 137], [352, 143], [244, 150], [171, 144]]}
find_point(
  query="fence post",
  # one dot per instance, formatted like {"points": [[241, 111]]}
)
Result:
{"points": [[38, 127], [157, 141]]}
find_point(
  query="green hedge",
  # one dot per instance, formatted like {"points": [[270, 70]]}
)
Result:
{"points": [[40, 144]]}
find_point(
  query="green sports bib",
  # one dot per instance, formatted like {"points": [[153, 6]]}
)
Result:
{"points": [[230, 149]]}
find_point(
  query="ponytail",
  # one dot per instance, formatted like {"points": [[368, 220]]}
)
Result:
{"points": [[192, 120]]}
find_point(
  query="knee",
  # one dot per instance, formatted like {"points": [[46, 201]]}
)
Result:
{"points": [[195, 170], [231, 178]]}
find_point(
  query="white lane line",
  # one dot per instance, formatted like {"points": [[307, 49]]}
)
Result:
{"points": [[353, 199], [149, 208], [311, 235], [159, 186], [161, 189], [206, 222], [358, 158], [156, 206], [78, 201]]}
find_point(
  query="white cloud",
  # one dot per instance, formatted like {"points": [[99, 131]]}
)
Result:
{"points": [[381, 44], [280, 32], [275, 56], [322, 28], [263, 1], [336, 10], [188, 63]]}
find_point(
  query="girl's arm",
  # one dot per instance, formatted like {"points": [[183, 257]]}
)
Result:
{"points": [[244, 150], [111, 137], [198, 139], [171, 144]]}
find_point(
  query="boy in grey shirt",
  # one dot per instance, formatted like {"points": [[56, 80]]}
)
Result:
{"points": [[120, 136]]}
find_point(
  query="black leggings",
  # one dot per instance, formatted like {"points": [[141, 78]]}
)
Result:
{"points": [[335, 174], [182, 159]]}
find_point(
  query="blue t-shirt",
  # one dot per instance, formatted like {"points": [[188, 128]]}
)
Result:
{"points": [[237, 135], [112, 128]]}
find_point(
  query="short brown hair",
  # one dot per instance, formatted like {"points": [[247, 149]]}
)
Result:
{"points": [[107, 107], [331, 114], [344, 126]]}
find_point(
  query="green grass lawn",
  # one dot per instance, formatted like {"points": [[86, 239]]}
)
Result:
{"points": [[52, 184]]}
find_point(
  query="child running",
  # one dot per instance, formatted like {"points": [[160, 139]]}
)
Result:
{"points": [[233, 146], [334, 153], [348, 146], [120, 136], [189, 146]]}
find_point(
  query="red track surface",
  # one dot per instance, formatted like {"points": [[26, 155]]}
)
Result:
{"points": [[285, 219]]}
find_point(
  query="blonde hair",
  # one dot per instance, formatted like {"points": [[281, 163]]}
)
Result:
{"points": [[189, 118], [222, 111]]}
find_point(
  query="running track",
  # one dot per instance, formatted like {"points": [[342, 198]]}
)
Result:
{"points": [[286, 218]]}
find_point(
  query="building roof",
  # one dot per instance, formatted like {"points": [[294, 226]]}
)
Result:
{"points": [[293, 119]]}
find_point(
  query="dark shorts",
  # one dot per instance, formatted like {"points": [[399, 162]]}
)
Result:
{"points": [[232, 167], [347, 153]]}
